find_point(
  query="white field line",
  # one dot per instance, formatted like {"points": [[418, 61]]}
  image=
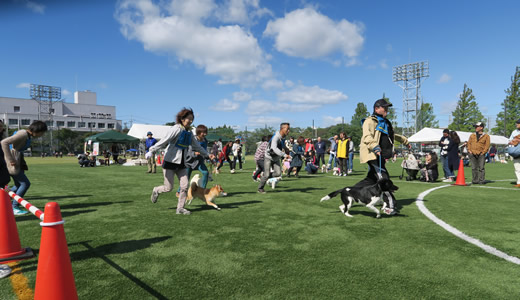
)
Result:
{"points": [[420, 204]]}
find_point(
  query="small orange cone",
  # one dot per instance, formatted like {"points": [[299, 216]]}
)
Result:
{"points": [[461, 180], [10, 249], [159, 159], [54, 277]]}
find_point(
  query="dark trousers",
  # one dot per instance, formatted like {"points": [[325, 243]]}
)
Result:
{"points": [[239, 158], [259, 168], [478, 168], [320, 156], [222, 162]]}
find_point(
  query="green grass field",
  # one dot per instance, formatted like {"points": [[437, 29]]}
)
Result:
{"points": [[283, 244]]}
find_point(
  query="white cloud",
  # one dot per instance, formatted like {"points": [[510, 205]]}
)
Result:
{"points": [[176, 28], [23, 85], [103, 85], [389, 47], [448, 107], [262, 121], [65, 93], [260, 107], [289, 83], [330, 121], [310, 34], [225, 105], [383, 64], [240, 11], [241, 96], [33, 6], [444, 78], [312, 95], [272, 84]]}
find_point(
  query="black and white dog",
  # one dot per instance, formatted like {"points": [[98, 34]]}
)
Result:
{"points": [[369, 195]]}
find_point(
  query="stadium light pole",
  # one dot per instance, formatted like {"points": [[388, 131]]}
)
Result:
{"points": [[408, 77], [46, 96]]}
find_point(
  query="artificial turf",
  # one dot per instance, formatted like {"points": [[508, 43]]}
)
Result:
{"points": [[278, 245]]}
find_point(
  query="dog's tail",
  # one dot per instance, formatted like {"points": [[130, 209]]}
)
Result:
{"points": [[192, 187], [331, 195]]}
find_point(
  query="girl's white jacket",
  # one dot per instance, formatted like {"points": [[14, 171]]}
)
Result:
{"points": [[173, 154]]}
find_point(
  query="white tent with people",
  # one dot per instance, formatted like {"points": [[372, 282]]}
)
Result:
{"points": [[433, 135]]}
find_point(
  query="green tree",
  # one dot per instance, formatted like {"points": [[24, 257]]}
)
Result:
{"points": [[69, 140], [426, 117], [225, 131], [360, 113], [512, 108], [466, 113]]}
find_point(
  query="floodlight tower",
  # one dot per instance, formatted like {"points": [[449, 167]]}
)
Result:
{"points": [[410, 75], [46, 96]]}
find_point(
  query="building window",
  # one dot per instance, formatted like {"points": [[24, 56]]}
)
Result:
{"points": [[82, 125], [109, 116], [52, 111], [26, 122], [71, 124], [17, 109], [91, 125], [93, 115], [60, 123], [111, 126], [101, 125], [13, 121], [49, 123]]}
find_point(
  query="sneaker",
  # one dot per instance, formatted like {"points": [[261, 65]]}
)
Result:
{"points": [[253, 179], [345, 174], [350, 171], [232, 171], [19, 212], [4, 271], [273, 184], [447, 180], [183, 211], [261, 191], [154, 196]]}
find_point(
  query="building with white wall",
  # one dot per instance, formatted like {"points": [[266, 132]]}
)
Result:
{"points": [[82, 115]]}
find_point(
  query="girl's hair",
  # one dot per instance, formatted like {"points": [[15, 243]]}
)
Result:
{"points": [[37, 127], [200, 129], [455, 137], [342, 133], [183, 114], [4, 130], [434, 157], [264, 138], [300, 140]]}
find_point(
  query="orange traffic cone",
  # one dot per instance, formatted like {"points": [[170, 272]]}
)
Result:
{"points": [[159, 159], [10, 249], [461, 180], [54, 278]]}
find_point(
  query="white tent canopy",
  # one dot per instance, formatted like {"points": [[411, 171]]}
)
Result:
{"points": [[433, 135], [140, 130]]}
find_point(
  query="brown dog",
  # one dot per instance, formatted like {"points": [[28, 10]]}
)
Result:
{"points": [[206, 195]]}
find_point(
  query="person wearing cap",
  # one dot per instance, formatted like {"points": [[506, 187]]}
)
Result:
{"points": [[514, 140], [444, 143], [478, 146], [150, 141], [377, 145]]}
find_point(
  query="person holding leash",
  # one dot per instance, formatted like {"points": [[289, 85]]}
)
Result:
{"points": [[178, 139], [377, 145], [275, 150]]}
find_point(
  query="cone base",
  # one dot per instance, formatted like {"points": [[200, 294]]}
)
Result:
{"points": [[461, 184], [25, 253]]}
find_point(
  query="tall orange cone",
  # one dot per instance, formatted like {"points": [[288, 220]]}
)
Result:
{"points": [[461, 180], [54, 278], [10, 249]]}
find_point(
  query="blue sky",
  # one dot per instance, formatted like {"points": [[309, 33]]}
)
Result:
{"points": [[255, 63]]}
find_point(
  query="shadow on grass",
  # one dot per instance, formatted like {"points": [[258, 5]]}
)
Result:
{"points": [[107, 249], [64, 215], [84, 205], [222, 206], [306, 189], [50, 198]]}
